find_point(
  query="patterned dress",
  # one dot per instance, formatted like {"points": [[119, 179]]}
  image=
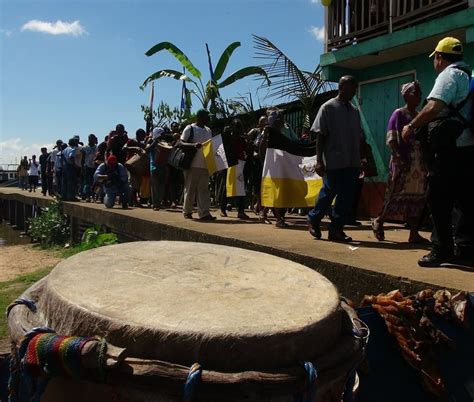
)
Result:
{"points": [[405, 197]]}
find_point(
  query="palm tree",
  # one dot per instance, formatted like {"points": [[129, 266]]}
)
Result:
{"points": [[288, 81], [209, 93]]}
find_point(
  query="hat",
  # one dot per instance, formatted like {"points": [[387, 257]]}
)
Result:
{"points": [[112, 160], [157, 132], [448, 45]]}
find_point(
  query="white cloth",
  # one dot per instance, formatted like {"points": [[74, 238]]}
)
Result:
{"points": [[200, 135], [33, 169]]}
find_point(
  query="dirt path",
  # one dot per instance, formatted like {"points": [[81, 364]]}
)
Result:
{"points": [[23, 259]]}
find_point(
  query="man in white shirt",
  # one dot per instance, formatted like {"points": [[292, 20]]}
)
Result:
{"points": [[196, 178]]}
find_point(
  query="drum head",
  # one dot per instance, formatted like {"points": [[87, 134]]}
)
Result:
{"points": [[184, 302]]}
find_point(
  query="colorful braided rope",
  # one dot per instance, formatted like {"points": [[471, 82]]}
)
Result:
{"points": [[53, 355], [43, 354]]}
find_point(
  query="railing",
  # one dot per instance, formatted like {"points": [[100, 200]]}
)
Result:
{"points": [[352, 21]]}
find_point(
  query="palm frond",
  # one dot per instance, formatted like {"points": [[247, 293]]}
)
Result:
{"points": [[287, 80]]}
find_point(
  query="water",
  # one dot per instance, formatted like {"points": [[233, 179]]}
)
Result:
{"points": [[10, 236]]}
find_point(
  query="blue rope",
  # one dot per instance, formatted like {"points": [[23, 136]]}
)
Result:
{"points": [[192, 382], [21, 301], [16, 361], [360, 331], [348, 395], [310, 392]]}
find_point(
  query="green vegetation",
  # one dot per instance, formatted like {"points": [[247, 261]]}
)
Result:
{"points": [[208, 94], [10, 290], [50, 228], [288, 81], [92, 238]]}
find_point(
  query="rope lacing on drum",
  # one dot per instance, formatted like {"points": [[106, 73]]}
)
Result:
{"points": [[21, 301], [309, 393], [192, 382]]}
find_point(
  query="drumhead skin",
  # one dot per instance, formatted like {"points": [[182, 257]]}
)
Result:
{"points": [[184, 302]]}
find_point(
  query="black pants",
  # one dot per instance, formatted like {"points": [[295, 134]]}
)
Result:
{"points": [[450, 198], [44, 181]]}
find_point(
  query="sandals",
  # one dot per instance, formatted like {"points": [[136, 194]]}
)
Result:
{"points": [[377, 228]]}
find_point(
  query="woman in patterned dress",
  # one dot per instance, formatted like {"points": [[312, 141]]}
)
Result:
{"points": [[405, 197]]}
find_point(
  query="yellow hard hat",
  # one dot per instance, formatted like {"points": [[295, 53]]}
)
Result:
{"points": [[448, 45]]}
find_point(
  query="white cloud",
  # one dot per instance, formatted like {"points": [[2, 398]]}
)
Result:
{"points": [[6, 32], [55, 28], [12, 149], [318, 33]]}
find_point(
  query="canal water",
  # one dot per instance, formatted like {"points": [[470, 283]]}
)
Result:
{"points": [[10, 236]]}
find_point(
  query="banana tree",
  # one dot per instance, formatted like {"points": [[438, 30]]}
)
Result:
{"points": [[288, 81], [208, 93]]}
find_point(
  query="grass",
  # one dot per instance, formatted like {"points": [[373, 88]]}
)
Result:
{"points": [[10, 290]]}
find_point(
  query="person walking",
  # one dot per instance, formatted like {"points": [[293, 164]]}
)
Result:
{"points": [[405, 197], [255, 166], [157, 170], [196, 178], [89, 166], [43, 161], [33, 174], [275, 125], [339, 134], [447, 119], [69, 169], [236, 131], [23, 173]]}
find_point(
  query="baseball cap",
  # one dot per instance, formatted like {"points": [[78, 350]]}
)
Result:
{"points": [[112, 160], [448, 45]]}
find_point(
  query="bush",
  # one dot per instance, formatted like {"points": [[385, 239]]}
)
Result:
{"points": [[96, 237], [51, 226]]}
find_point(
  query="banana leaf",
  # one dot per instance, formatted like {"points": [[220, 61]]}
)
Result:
{"points": [[224, 59], [178, 54], [244, 72], [166, 73]]}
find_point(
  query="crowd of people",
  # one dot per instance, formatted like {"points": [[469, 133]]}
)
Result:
{"points": [[431, 169]]}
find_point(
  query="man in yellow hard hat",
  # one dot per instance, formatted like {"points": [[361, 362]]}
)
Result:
{"points": [[450, 153]]}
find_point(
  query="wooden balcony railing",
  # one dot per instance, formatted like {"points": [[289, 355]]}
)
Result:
{"points": [[352, 21]]}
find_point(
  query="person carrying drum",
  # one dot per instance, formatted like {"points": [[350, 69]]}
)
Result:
{"points": [[157, 167]]}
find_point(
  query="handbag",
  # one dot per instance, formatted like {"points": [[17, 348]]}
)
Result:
{"points": [[181, 157]]}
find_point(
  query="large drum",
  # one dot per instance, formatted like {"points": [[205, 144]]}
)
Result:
{"points": [[163, 151], [250, 320], [138, 164]]}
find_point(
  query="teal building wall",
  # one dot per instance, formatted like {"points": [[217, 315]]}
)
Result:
{"points": [[379, 92]]}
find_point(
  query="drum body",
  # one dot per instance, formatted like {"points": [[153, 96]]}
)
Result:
{"points": [[163, 151], [242, 315], [137, 165]]}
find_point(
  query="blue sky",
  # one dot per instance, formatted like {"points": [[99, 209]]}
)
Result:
{"points": [[83, 75]]}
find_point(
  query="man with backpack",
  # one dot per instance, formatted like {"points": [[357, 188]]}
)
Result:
{"points": [[447, 120], [196, 178]]}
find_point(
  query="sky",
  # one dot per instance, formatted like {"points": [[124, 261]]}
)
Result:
{"points": [[75, 67]]}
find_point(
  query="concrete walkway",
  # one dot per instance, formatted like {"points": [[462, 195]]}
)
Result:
{"points": [[365, 266]]}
